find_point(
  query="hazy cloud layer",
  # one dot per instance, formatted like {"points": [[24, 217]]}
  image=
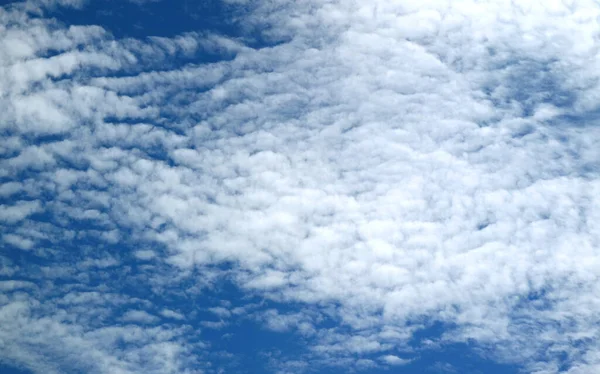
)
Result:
{"points": [[381, 167]]}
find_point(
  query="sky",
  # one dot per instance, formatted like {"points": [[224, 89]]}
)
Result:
{"points": [[317, 186]]}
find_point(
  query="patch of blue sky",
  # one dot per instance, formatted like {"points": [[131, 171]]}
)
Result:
{"points": [[6, 369], [140, 19]]}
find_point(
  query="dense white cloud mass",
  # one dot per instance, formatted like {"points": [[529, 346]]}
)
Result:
{"points": [[385, 165]]}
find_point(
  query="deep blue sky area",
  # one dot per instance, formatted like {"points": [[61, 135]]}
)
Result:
{"points": [[156, 18], [245, 338], [5, 369]]}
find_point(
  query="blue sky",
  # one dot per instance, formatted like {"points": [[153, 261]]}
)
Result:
{"points": [[240, 186]]}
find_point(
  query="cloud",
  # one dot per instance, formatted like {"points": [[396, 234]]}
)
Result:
{"points": [[172, 314], [28, 331], [394, 360], [18, 241], [220, 312], [139, 316], [14, 213], [145, 254], [382, 167]]}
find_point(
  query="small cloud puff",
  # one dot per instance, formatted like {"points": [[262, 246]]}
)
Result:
{"points": [[394, 360], [139, 316]]}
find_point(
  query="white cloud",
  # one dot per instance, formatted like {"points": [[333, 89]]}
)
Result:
{"points": [[394, 360], [139, 316], [275, 321], [19, 211], [18, 241], [172, 314], [220, 312], [145, 254], [386, 162], [9, 188], [216, 325], [7, 286]]}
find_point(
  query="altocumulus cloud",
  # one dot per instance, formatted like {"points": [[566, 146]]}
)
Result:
{"points": [[376, 169]]}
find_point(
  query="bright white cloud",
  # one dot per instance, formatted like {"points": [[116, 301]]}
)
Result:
{"points": [[394, 360]]}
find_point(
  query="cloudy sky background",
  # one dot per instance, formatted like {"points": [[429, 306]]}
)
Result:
{"points": [[294, 187]]}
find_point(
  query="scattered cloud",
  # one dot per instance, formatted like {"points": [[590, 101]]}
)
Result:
{"points": [[375, 169]]}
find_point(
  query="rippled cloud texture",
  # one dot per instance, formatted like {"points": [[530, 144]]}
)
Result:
{"points": [[337, 176]]}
